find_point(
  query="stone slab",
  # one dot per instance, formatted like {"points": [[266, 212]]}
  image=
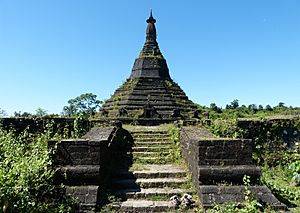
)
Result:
{"points": [[211, 195]]}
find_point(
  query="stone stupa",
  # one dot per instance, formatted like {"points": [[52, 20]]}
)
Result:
{"points": [[149, 92]]}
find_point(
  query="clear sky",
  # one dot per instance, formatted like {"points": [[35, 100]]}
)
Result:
{"points": [[218, 51]]}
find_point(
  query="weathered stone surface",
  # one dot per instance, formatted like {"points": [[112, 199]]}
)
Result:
{"points": [[85, 165], [148, 182], [99, 133], [232, 173], [138, 187], [146, 206], [211, 195], [215, 160], [76, 152], [225, 152], [155, 171], [150, 192], [87, 196], [150, 63], [196, 133], [79, 175], [165, 100]]}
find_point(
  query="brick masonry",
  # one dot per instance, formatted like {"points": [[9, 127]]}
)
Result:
{"points": [[214, 160], [84, 165]]}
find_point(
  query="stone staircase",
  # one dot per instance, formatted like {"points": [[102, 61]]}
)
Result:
{"points": [[153, 177]]}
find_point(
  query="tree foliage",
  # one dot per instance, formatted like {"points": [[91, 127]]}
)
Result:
{"points": [[233, 110], [39, 112], [22, 114], [2, 113], [233, 105], [85, 104]]}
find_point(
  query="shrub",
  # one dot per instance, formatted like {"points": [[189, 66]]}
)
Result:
{"points": [[26, 176]]}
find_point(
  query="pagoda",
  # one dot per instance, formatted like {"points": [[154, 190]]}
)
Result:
{"points": [[149, 92]]}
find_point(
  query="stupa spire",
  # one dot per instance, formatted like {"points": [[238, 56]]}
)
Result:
{"points": [[150, 62], [151, 30], [151, 47]]}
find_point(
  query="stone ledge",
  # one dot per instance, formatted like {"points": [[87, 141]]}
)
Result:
{"points": [[76, 152], [210, 195], [100, 133], [79, 175], [234, 173]]}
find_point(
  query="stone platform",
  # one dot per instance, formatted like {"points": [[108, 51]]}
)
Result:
{"points": [[218, 166]]}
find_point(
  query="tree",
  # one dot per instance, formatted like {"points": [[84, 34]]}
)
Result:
{"points": [[253, 108], [233, 105], [24, 114], [2, 113], [260, 107], [268, 108], [213, 107], [281, 105], [39, 112], [85, 104]]}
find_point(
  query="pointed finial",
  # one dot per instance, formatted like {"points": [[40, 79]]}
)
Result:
{"points": [[151, 19]]}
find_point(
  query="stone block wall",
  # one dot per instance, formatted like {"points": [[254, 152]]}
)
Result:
{"points": [[77, 152], [224, 151], [84, 165], [213, 161]]}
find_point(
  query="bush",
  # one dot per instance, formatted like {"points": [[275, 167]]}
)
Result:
{"points": [[26, 176]]}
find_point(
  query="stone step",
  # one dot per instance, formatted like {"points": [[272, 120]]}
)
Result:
{"points": [[152, 143], [147, 174], [150, 134], [161, 148], [144, 206], [151, 139], [149, 193], [141, 103], [148, 131], [139, 106], [148, 183], [149, 154], [155, 160], [150, 174]]}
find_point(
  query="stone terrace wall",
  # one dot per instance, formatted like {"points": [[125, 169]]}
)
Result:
{"points": [[205, 154], [224, 151], [84, 165], [215, 160], [190, 149]]}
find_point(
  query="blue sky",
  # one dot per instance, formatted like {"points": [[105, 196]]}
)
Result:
{"points": [[218, 51]]}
